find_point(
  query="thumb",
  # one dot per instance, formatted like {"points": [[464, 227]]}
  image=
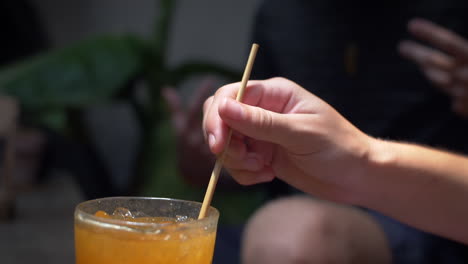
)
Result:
{"points": [[256, 122]]}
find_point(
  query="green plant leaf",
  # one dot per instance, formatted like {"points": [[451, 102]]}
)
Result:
{"points": [[84, 74]]}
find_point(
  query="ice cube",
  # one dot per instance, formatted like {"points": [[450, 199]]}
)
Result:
{"points": [[122, 213]]}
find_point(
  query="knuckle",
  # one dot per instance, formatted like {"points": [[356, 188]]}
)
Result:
{"points": [[219, 91], [207, 103], [264, 119], [279, 79], [223, 90]]}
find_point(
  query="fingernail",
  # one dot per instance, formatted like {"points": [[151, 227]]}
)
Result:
{"points": [[211, 140], [234, 109]]}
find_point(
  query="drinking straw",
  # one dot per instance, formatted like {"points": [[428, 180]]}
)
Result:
{"points": [[219, 161]]}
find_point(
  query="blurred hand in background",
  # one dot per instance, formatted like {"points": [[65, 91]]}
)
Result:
{"points": [[445, 64], [194, 159]]}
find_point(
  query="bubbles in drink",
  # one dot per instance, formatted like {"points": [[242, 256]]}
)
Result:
{"points": [[182, 218], [122, 213]]}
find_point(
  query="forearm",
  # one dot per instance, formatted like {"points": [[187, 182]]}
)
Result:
{"points": [[422, 187]]}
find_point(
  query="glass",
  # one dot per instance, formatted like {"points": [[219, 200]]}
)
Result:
{"points": [[147, 238]]}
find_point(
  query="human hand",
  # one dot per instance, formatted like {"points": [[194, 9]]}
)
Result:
{"points": [[281, 130], [193, 156], [446, 66]]}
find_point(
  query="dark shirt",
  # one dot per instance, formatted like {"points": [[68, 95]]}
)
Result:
{"points": [[346, 53]]}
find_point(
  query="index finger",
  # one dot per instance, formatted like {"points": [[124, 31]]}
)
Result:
{"points": [[275, 95], [214, 129], [425, 56], [440, 37]]}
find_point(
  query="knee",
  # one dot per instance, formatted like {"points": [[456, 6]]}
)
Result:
{"points": [[299, 230], [292, 230]]}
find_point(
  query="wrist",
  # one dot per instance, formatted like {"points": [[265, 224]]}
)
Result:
{"points": [[369, 185]]}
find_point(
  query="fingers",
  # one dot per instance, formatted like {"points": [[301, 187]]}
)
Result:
{"points": [[249, 178], [425, 56], [257, 123], [440, 37], [250, 162], [277, 94], [206, 107], [237, 150], [214, 128], [207, 104], [445, 71], [441, 79], [245, 167], [237, 158]]}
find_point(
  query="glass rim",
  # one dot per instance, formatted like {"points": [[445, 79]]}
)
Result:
{"points": [[212, 214]]}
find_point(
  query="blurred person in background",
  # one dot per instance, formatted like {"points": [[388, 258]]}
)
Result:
{"points": [[345, 52], [39, 150]]}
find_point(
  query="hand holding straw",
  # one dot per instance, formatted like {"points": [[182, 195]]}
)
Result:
{"points": [[219, 162]]}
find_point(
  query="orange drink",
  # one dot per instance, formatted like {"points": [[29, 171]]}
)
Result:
{"points": [[135, 230]]}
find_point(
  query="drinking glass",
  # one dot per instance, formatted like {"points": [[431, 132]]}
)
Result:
{"points": [[143, 230]]}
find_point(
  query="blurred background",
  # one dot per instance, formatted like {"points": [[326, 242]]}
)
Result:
{"points": [[103, 98], [100, 98]]}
